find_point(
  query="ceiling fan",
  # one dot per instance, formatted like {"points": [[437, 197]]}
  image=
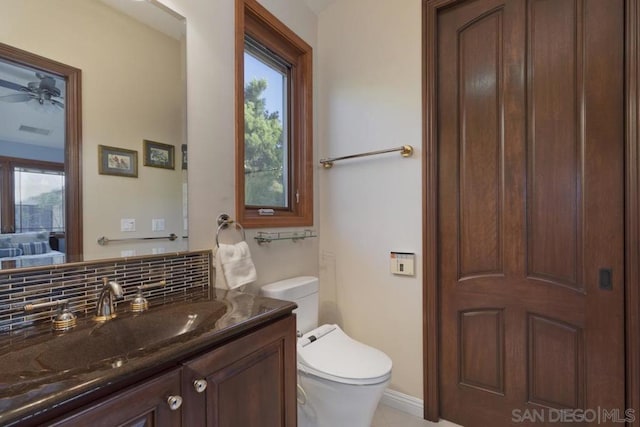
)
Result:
{"points": [[44, 91]]}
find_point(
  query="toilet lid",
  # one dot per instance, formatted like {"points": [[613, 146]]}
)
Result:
{"points": [[329, 353]]}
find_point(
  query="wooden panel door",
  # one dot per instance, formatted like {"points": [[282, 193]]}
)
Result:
{"points": [[530, 140]]}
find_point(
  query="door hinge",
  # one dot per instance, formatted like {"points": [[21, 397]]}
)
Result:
{"points": [[297, 197]]}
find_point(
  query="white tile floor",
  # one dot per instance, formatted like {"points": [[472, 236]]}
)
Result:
{"points": [[387, 416]]}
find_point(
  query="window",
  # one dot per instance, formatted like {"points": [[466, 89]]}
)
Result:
{"points": [[266, 165], [33, 196], [274, 173], [39, 199]]}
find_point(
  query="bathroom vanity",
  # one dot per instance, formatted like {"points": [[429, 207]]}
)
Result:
{"points": [[223, 359]]}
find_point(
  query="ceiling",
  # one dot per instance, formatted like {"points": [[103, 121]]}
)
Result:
{"points": [[152, 13], [31, 114]]}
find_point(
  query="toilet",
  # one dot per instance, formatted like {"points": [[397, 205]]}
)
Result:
{"points": [[340, 380]]}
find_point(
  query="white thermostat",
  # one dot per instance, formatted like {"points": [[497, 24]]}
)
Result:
{"points": [[403, 263]]}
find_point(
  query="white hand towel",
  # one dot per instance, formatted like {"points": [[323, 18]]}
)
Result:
{"points": [[234, 267]]}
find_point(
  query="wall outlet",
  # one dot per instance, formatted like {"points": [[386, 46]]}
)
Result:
{"points": [[127, 224], [157, 224], [403, 263]]}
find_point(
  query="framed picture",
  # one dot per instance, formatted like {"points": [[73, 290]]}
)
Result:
{"points": [[159, 155], [117, 161]]}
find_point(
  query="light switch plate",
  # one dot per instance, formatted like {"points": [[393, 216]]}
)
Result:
{"points": [[157, 224], [403, 263], [127, 224]]}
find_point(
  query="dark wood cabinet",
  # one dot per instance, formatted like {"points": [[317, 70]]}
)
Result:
{"points": [[249, 382], [145, 405]]}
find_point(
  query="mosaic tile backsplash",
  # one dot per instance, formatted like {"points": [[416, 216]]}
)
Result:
{"points": [[80, 284]]}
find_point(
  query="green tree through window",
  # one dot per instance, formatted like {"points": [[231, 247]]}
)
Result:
{"points": [[264, 149]]}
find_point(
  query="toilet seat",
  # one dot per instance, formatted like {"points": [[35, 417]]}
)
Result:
{"points": [[335, 356]]}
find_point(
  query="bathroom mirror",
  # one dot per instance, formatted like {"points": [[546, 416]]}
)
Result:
{"points": [[131, 55]]}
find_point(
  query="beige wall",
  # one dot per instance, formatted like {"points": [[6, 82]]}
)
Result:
{"points": [[131, 90], [210, 93], [369, 87], [367, 96]]}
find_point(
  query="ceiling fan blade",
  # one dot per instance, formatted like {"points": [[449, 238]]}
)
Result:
{"points": [[14, 86], [17, 97], [57, 104]]}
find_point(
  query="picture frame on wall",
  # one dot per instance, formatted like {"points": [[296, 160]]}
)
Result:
{"points": [[117, 161], [159, 155]]}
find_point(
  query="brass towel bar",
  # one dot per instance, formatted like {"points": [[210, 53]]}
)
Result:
{"points": [[104, 240], [405, 151]]}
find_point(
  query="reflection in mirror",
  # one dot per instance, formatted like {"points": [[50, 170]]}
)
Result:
{"points": [[39, 138], [32, 149], [132, 58]]}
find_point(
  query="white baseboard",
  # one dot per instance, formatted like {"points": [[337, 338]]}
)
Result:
{"points": [[403, 402], [410, 405]]}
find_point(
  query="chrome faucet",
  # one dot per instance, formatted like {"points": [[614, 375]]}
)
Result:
{"points": [[105, 308]]}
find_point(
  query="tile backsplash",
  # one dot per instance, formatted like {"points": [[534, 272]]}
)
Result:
{"points": [[80, 283]]}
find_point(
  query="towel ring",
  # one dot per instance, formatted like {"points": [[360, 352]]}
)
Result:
{"points": [[223, 222]]}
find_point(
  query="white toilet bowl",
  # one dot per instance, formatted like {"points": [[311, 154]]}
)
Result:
{"points": [[340, 380], [341, 405]]}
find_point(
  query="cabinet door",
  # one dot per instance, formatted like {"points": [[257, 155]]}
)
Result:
{"points": [[145, 405], [250, 382]]}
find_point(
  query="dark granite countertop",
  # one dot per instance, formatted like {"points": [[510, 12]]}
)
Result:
{"points": [[44, 373]]}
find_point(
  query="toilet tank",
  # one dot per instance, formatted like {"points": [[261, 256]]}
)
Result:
{"points": [[303, 291]]}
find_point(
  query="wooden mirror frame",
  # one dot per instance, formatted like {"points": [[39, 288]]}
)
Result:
{"points": [[73, 146]]}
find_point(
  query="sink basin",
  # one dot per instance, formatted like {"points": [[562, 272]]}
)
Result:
{"points": [[92, 346]]}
